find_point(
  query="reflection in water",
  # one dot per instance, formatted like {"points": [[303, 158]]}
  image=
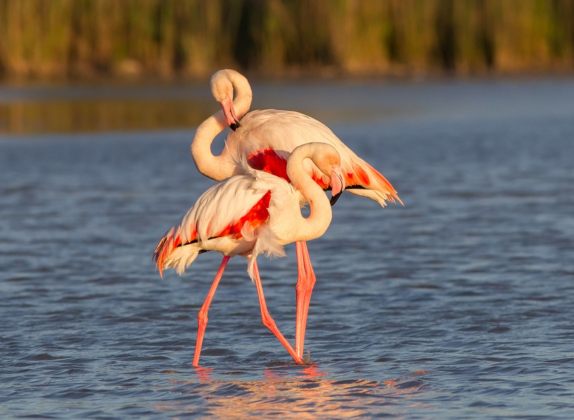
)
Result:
{"points": [[100, 115], [109, 107], [308, 393]]}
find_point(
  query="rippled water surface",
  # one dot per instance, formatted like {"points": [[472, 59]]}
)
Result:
{"points": [[460, 304]]}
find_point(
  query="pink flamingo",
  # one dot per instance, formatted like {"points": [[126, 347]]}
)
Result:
{"points": [[265, 138], [251, 214]]}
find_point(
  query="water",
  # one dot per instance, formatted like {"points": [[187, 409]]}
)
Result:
{"points": [[460, 304]]}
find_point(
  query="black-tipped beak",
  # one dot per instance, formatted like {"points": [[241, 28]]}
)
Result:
{"points": [[335, 198], [229, 113], [337, 185]]}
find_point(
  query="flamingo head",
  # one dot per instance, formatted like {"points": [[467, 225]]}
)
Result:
{"points": [[328, 160], [222, 90]]}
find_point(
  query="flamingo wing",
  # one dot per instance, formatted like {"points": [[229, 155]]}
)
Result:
{"points": [[267, 138], [233, 209]]}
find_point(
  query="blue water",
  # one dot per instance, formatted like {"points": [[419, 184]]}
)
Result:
{"points": [[458, 305]]}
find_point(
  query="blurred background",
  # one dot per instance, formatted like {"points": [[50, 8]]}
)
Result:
{"points": [[159, 42], [457, 305], [189, 38]]}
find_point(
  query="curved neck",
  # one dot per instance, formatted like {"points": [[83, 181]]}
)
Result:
{"points": [[220, 167], [320, 213], [214, 167], [243, 93]]}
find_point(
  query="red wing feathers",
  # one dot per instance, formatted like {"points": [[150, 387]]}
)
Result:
{"points": [[256, 216]]}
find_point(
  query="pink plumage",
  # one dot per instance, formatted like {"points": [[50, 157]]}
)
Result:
{"points": [[250, 214]]}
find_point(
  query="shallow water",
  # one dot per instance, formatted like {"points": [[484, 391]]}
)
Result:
{"points": [[460, 304]]}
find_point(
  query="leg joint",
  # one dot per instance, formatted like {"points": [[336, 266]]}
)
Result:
{"points": [[268, 322]]}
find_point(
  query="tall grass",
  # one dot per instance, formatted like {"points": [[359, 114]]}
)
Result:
{"points": [[188, 38]]}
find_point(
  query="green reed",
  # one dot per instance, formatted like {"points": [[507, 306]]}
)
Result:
{"points": [[190, 38]]}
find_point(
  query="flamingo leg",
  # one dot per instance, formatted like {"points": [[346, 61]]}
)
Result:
{"points": [[304, 289], [202, 314], [268, 321]]}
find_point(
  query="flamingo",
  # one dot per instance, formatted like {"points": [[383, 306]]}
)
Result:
{"points": [[250, 214], [265, 138]]}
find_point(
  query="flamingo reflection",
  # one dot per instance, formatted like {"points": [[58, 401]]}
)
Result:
{"points": [[310, 393]]}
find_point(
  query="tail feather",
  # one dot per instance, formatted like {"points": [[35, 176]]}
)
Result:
{"points": [[182, 257], [388, 189], [376, 186], [169, 252]]}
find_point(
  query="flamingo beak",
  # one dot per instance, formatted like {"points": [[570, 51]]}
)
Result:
{"points": [[229, 112], [337, 185]]}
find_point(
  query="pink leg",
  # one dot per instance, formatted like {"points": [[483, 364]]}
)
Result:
{"points": [[304, 289], [268, 321], [202, 315]]}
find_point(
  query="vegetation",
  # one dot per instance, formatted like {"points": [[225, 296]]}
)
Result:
{"points": [[190, 38]]}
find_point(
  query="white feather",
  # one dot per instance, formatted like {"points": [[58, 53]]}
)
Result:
{"points": [[182, 257], [224, 204]]}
